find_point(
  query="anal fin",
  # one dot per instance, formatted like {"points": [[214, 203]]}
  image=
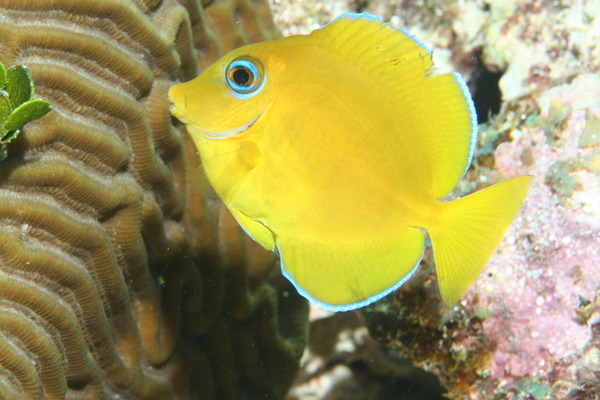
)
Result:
{"points": [[347, 276]]}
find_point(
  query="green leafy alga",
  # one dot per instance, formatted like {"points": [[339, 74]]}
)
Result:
{"points": [[17, 105]]}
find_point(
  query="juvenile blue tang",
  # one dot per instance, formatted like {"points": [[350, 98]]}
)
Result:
{"points": [[334, 149]]}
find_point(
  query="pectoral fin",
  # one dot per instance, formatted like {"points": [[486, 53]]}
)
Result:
{"points": [[257, 231]]}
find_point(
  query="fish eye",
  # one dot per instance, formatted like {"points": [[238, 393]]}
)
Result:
{"points": [[245, 75]]}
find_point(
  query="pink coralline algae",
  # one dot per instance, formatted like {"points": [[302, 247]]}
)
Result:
{"points": [[550, 260], [529, 327]]}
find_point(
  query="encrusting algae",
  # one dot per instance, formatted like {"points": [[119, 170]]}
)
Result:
{"points": [[332, 150], [117, 278], [518, 321]]}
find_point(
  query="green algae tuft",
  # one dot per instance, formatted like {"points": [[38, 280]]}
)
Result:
{"points": [[17, 105]]}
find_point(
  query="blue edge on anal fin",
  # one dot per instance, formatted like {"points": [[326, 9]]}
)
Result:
{"points": [[347, 307]]}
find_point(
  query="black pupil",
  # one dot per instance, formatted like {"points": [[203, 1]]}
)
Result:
{"points": [[241, 77]]}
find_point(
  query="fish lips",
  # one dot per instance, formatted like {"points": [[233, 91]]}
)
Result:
{"points": [[178, 113], [173, 93]]}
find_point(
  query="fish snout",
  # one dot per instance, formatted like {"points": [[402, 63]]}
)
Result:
{"points": [[177, 100]]}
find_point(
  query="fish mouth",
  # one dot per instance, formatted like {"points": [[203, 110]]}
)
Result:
{"points": [[177, 109], [214, 135], [173, 111]]}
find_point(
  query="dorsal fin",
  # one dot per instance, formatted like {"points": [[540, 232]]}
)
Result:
{"points": [[439, 106], [378, 49]]}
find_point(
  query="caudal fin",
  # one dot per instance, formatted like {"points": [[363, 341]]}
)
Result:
{"points": [[469, 231]]}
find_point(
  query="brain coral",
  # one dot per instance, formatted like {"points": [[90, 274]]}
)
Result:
{"points": [[118, 278]]}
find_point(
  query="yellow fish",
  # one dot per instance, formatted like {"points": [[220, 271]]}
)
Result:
{"points": [[333, 149]]}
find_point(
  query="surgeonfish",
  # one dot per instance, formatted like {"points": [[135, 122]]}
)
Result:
{"points": [[334, 149]]}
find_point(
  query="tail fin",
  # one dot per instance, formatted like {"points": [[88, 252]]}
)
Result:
{"points": [[469, 231]]}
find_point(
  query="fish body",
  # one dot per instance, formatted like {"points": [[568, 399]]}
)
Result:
{"points": [[333, 150]]}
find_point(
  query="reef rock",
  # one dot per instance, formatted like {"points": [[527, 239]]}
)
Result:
{"points": [[119, 278], [529, 326]]}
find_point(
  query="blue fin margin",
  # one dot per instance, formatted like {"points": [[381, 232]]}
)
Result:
{"points": [[352, 306]]}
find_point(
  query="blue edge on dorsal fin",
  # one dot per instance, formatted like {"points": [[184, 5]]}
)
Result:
{"points": [[457, 77], [474, 124]]}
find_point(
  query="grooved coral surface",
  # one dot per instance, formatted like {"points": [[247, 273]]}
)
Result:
{"points": [[119, 277]]}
